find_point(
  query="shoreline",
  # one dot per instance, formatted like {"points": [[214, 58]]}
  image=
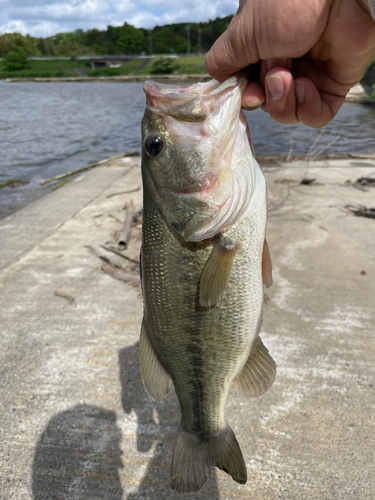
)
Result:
{"points": [[189, 78], [264, 160], [357, 94], [25, 196]]}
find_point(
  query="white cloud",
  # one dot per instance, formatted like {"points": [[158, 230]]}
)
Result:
{"points": [[67, 11], [47, 17], [45, 28], [12, 26]]}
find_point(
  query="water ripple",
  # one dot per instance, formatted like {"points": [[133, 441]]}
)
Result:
{"points": [[47, 129]]}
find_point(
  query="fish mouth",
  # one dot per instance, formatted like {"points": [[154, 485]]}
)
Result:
{"points": [[214, 183], [163, 91], [189, 103]]}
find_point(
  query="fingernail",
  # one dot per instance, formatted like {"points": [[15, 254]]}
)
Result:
{"points": [[251, 104], [300, 90], [275, 86]]}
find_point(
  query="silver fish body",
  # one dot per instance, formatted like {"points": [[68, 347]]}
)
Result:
{"points": [[201, 259]]}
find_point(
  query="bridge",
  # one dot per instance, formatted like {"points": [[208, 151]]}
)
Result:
{"points": [[100, 61]]}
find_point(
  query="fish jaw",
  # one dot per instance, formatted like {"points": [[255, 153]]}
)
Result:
{"points": [[203, 179]]}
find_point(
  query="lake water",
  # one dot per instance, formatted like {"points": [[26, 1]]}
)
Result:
{"points": [[51, 128]]}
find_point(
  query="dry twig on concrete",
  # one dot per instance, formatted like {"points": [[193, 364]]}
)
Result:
{"points": [[97, 254], [361, 211], [120, 273], [112, 249], [122, 237], [307, 182], [132, 190], [65, 296]]}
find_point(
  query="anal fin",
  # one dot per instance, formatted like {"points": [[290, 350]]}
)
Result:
{"points": [[216, 272], [156, 379], [259, 372]]}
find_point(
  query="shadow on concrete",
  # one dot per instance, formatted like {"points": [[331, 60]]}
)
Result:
{"points": [[78, 456], [157, 427]]}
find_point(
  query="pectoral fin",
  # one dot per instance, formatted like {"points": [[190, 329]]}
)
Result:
{"points": [[258, 374], [266, 266], [216, 272], [156, 379]]}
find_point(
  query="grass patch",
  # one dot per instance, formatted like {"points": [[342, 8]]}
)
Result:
{"points": [[127, 68], [182, 61], [191, 65], [60, 184], [192, 69], [57, 68], [44, 69], [187, 66], [13, 183]]}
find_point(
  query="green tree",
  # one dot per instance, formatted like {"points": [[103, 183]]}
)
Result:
{"points": [[180, 46], [160, 47], [164, 65], [15, 59], [132, 40], [124, 39]]}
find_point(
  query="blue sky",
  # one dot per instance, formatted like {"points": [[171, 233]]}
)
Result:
{"points": [[47, 17]]}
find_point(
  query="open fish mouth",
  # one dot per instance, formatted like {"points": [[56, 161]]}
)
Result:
{"points": [[203, 178], [192, 102]]}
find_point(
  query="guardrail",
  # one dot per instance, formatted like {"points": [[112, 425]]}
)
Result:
{"points": [[110, 56]]}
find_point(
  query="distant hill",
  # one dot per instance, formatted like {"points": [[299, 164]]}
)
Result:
{"points": [[126, 39]]}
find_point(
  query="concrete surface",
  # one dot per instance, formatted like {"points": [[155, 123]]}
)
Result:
{"points": [[75, 422], [27, 228]]}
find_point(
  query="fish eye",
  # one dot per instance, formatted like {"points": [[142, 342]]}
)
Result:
{"points": [[154, 144]]}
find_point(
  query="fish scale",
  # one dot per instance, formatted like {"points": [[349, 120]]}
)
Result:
{"points": [[202, 347]]}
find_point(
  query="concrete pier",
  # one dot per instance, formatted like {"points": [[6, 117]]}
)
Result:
{"points": [[75, 422]]}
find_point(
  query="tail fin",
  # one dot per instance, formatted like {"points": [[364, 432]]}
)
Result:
{"points": [[193, 457], [190, 464], [226, 454]]}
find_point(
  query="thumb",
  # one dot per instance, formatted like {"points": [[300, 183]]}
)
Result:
{"points": [[233, 51]]}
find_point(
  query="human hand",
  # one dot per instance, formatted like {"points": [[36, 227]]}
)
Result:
{"points": [[312, 53]]}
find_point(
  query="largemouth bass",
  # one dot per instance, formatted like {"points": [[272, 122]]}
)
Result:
{"points": [[203, 264]]}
